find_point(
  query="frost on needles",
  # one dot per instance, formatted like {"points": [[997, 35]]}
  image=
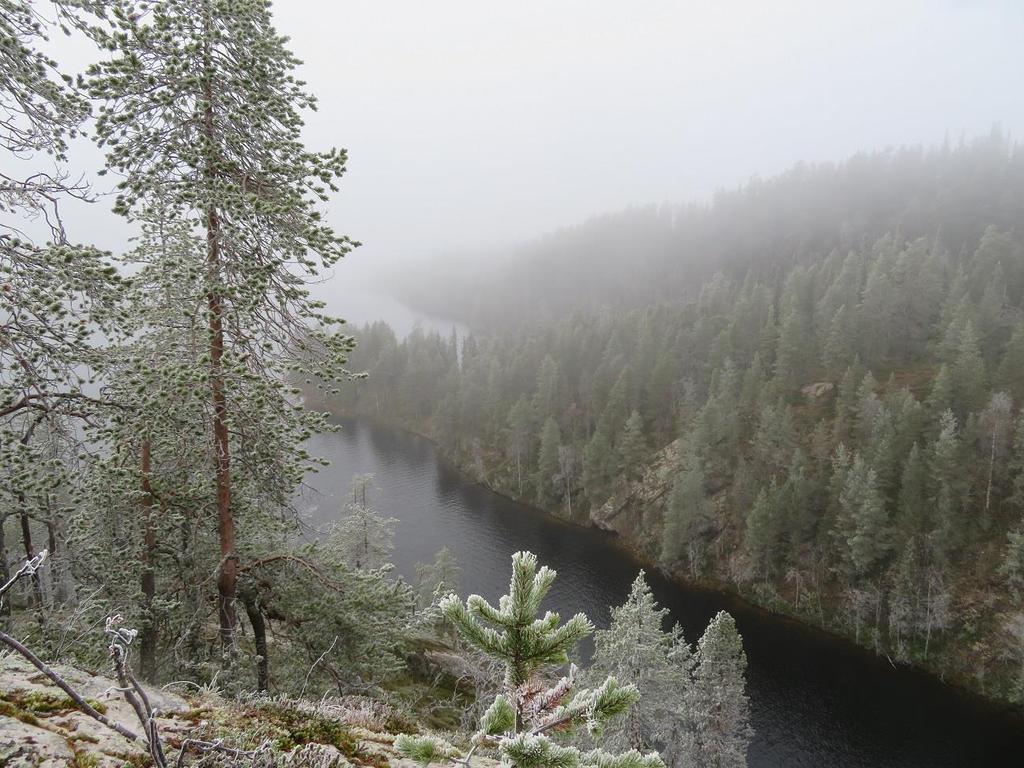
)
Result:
{"points": [[519, 722]]}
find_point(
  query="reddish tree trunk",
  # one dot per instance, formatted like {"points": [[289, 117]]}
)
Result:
{"points": [[227, 578]]}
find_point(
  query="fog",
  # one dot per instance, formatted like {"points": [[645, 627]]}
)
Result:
{"points": [[474, 125]]}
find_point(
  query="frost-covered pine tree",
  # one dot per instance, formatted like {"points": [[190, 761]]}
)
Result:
{"points": [[362, 538], [636, 649], [201, 118], [718, 731], [437, 578], [521, 723], [54, 295]]}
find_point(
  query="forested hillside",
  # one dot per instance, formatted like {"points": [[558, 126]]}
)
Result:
{"points": [[813, 396], [645, 255]]}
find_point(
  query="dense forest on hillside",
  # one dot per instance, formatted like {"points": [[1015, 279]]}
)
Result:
{"points": [[646, 255], [829, 366]]}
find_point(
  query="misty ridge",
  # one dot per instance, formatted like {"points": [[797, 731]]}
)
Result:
{"points": [[947, 194]]}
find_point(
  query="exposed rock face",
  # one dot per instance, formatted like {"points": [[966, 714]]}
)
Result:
{"points": [[635, 511], [41, 728], [817, 390]]}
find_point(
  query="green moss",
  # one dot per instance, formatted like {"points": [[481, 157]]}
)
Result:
{"points": [[300, 727], [46, 703], [84, 760], [8, 709]]}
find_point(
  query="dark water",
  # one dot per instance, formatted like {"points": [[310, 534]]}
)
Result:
{"points": [[815, 700]]}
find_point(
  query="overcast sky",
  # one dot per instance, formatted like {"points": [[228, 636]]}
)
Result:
{"points": [[472, 123]]}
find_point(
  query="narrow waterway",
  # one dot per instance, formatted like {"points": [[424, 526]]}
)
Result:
{"points": [[816, 701]]}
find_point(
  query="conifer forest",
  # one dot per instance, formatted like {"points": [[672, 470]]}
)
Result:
{"points": [[733, 478]]}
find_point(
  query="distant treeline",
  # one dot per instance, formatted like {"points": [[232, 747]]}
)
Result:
{"points": [[947, 194]]}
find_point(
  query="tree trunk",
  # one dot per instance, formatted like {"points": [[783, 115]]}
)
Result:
{"points": [[30, 552], [26, 533], [5, 572], [148, 641], [259, 634], [928, 618], [991, 470], [227, 578]]}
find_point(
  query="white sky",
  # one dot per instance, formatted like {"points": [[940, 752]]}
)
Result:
{"points": [[478, 123]]}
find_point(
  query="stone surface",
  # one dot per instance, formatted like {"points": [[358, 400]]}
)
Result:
{"points": [[37, 731], [635, 512]]}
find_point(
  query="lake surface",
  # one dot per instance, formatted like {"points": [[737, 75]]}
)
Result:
{"points": [[815, 700]]}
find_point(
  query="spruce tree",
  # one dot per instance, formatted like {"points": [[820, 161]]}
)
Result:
{"points": [[362, 538], [636, 649], [598, 466], [687, 519], [520, 429], [947, 485], [914, 510], [864, 524], [969, 377], [547, 463], [440, 577], [518, 723], [631, 446], [1010, 374], [717, 705], [762, 534]]}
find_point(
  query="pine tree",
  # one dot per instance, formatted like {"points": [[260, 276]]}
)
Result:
{"points": [[717, 705], [519, 436], [914, 509], [199, 139], [440, 577], [968, 372], [57, 299], [947, 486], [762, 534], [635, 649], [1010, 375], [362, 538], [518, 722], [687, 519], [547, 463], [631, 446], [864, 523], [598, 466]]}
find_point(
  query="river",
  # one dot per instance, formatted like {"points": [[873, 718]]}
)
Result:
{"points": [[816, 700]]}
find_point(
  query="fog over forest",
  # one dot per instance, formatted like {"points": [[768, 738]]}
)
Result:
{"points": [[472, 127]]}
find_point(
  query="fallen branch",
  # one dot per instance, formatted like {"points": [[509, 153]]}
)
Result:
{"points": [[134, 694], [310, 672], [28, 569]]}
